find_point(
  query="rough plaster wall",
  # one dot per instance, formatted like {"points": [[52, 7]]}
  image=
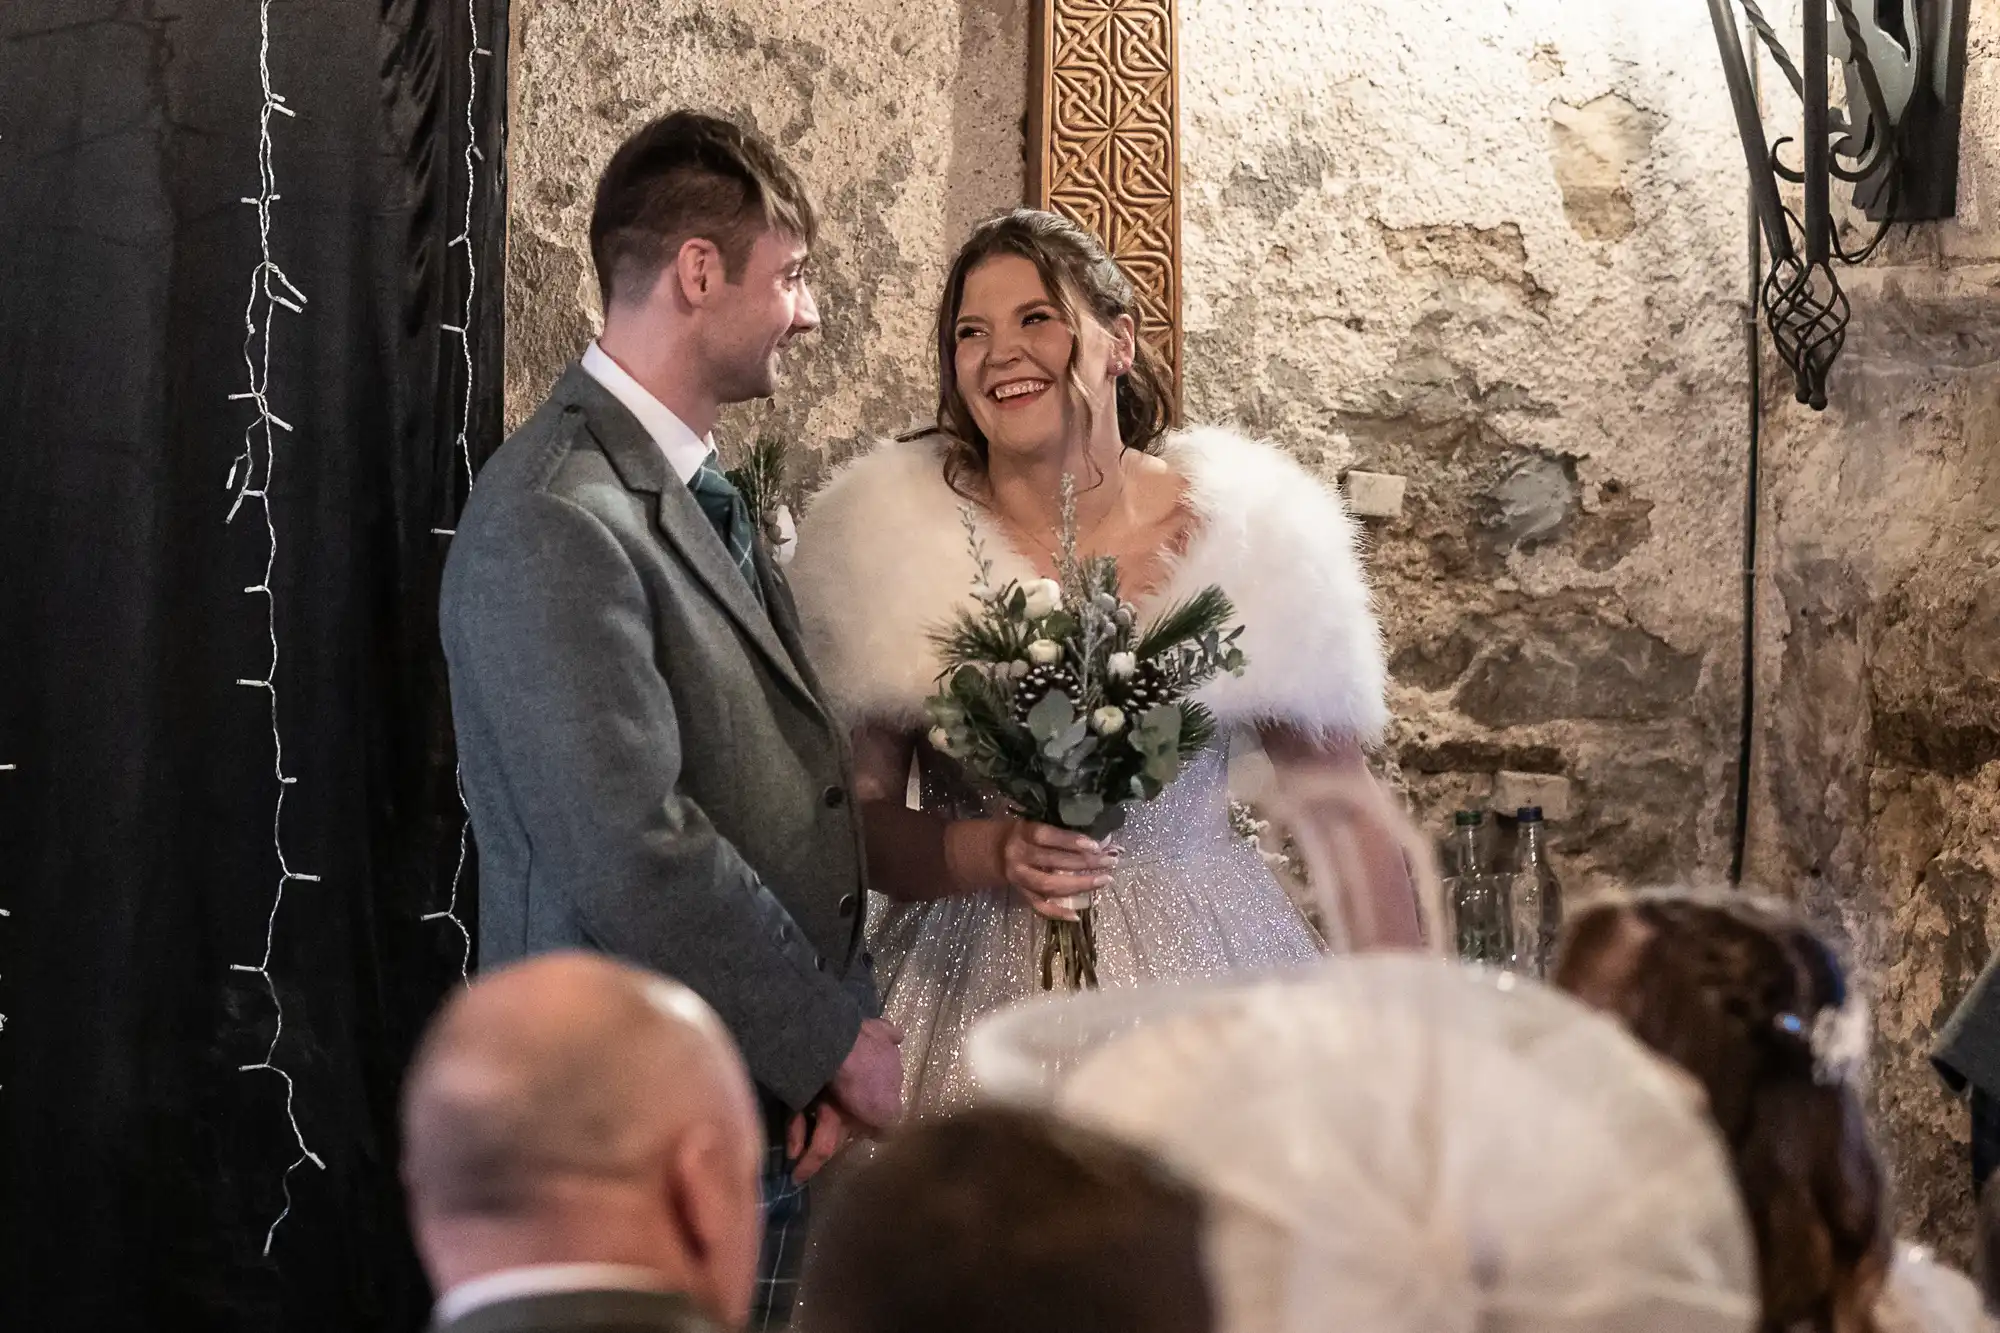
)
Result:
{"points": [[1879, 791], [1498, 248], [903, 119]]}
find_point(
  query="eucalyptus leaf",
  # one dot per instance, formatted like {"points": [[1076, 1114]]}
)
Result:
{"points": [[1108, 822], [1159, 730], [1158, 738], [1081, 809], [1063, 745], [1051, 716]]}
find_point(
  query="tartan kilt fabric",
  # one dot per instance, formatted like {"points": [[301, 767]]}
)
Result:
{"points": [[783, 1256]]}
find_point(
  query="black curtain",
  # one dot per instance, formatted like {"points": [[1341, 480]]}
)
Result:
{"points": [[141, 1167]]}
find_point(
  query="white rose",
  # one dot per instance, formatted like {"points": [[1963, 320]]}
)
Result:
{"points": [[1108, 721], [1044, 597], [1045, 652], [1018, 670], [1123, 666], [941, 740]]}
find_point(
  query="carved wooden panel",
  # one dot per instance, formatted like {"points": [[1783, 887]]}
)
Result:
{"points": [[1104, 142]]}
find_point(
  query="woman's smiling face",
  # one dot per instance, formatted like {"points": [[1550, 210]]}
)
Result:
{"points": [[1012, 353]]}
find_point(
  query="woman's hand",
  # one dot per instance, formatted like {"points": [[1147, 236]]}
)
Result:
{"points": [[916, 856], [1042, 863]]}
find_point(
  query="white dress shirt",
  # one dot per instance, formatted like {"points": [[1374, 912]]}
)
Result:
{"points": [[685, 451], [540, 1280]]}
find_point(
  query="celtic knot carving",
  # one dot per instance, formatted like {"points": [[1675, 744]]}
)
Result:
{"points": [[1105, 145]]}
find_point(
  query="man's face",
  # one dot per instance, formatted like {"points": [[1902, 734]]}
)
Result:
{"points": [[758, 315]]}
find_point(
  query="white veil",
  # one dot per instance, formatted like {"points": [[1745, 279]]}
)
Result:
{"points": [[1394, 1143]]}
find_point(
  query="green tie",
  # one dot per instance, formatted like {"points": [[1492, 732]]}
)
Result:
{"points": [[723, 504]]}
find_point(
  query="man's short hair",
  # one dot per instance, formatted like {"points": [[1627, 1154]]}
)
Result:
{"points": [[999, 1220], [687, 176]]}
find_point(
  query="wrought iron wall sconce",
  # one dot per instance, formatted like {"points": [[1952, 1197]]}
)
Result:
{"points": [[1895, 143]]}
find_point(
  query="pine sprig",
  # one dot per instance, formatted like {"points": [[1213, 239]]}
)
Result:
{"points": [[971, 639], [761, 478], [1191, 620], [1197, 728]]}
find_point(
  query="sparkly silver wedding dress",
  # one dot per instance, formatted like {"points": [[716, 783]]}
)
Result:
{"points": [[1190, 898], [882, 560]]}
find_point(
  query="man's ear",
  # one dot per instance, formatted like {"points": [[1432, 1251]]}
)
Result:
{"points": [[698, 1185], [697, 272]]}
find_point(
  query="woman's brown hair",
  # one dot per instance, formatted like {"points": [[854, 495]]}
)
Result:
{"points": [[1730, 991], [1082, 279]]}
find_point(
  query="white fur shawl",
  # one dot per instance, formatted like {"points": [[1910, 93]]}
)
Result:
{"points": [[882, 560]]}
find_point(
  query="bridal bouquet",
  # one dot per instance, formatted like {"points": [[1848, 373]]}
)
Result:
{"points": [[1053, 692]]}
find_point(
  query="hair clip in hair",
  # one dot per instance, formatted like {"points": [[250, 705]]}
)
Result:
{"points": [[1838, 1039]]}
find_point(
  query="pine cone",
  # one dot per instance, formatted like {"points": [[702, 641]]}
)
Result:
{"points": [[1040, 680], [1148, 687]]}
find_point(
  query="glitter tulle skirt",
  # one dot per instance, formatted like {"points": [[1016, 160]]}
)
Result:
{"points": [[1190, 898]]}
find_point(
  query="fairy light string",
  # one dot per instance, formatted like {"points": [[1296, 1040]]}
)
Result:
{"points": [[251, 476], [463, 331]]}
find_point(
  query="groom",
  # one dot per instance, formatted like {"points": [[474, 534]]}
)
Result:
{"points": [[651, 766]]}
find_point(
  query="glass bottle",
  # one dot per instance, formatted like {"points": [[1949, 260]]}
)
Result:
{"points": [[1462, 855], [1476, 897], [1536, 897]]}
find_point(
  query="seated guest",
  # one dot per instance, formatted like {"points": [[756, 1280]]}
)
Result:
{"points": [[1396, 1144], [1743, 996], [1000, 1221], [581, 1149]]}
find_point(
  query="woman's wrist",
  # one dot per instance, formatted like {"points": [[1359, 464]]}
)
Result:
{"points": [[974, 854]]}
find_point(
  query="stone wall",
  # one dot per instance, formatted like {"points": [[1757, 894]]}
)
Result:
{"points": [[905, 121], [1498, 249], [1878, 801]]}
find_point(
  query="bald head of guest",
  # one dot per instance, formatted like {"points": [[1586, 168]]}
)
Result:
{"points": [[572, 1109]]}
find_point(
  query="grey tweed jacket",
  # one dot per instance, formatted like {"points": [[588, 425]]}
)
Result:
{"points": [[651, 767], [1969, 1049]]}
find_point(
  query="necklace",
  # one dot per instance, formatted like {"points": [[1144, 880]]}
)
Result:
{"points": [[1054, 548], [1083, 533]]}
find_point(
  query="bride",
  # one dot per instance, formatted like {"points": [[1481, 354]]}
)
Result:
{"points": [[1042, 376]]}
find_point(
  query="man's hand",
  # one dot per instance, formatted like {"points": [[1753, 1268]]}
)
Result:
{"points": [[814, 1136], [868, 1089]]}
